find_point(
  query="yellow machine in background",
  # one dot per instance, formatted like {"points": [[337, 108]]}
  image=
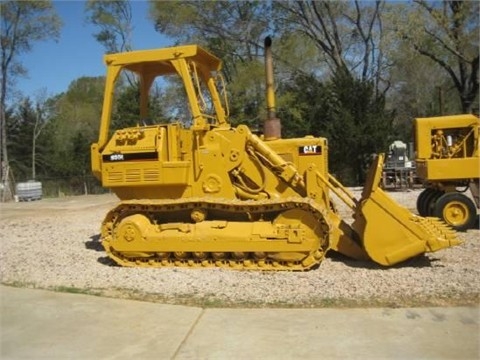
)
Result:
{"points": [[448, 163], [213, 195]]}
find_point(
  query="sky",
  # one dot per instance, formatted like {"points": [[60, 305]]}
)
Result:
{"points": [[52, 66]]}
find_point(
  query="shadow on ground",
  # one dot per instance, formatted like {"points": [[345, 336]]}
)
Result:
{"points": [[95, 244], [420, 261]]}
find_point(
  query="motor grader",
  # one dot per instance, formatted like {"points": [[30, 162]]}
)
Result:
{"points": [[448, 163], [214, 195]]}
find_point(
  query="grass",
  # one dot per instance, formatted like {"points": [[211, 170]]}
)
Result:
{"points": [[61, 288], [75, 290], [212, 301]]}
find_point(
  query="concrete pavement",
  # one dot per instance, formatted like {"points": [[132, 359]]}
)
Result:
{"points": [[38, 324]]}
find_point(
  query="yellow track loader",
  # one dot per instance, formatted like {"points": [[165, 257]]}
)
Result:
{"points": [[448, 163], [214, 195]]}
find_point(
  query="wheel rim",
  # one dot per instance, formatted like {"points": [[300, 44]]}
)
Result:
{"points": [[456, 213]]}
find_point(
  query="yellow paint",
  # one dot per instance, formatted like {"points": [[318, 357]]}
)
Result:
{"points": [[216, 195]]}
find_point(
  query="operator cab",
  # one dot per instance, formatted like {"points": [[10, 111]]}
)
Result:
{"points": [[196, 68]]}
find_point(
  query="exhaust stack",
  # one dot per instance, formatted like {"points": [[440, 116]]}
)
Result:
{"points": [[272, 128]]}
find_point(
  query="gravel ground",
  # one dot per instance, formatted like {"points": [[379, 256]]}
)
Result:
{"points": [[53, 244]]}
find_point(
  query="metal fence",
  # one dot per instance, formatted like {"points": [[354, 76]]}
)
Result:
{"points": [[78, 185]]}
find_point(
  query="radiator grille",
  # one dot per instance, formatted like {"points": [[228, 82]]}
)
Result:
{"points": [[151, 175], [115, 176], [134, 176]]}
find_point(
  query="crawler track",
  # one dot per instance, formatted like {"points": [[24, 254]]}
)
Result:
{"points": [[287, 234]]}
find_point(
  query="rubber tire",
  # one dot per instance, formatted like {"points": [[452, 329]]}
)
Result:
{"points": [[421, 208], [427, 201], [432, 201], [462, 203]]}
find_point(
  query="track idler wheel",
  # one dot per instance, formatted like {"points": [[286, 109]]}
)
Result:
{"points": [[129, 232], [457, 210], [308, 228]]}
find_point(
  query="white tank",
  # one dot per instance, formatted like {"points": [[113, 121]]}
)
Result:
{"points": [[28, 191]]}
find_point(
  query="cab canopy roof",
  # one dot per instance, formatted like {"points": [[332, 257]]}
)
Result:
{"points": [[158, 62]]}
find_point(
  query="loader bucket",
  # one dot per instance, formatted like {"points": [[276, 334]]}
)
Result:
{"points": [[390, 233]]}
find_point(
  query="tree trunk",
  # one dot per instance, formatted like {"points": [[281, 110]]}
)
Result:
{"points": [[33, 156], [6, 193], [5, 189], [4, 165]]}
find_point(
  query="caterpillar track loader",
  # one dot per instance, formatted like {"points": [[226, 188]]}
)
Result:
{"points": [[214, 195], [448, 163]]}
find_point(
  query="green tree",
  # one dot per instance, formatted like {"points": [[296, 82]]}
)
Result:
{"points": [[419, 89], [233, 31], [348, 34], [44, 109], [344, 98], [447, 34], [126, 111], [348, 112], [114, 20], [26, 147], [20, 126], [358, 128], [80, 148], [22, 24], [349, 109], [77, 111]]}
